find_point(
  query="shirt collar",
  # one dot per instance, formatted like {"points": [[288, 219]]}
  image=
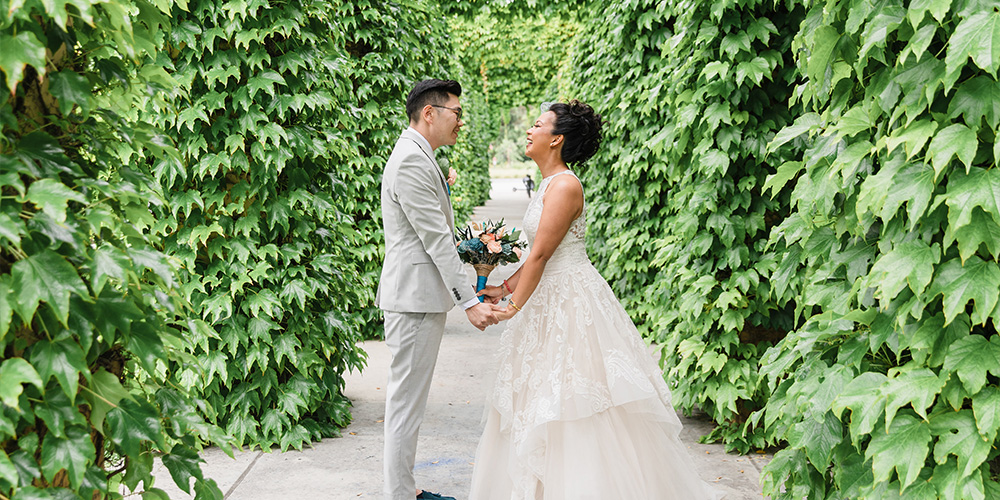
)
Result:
{"points": [[422, 138]]}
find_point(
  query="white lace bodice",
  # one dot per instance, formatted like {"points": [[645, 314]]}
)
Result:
{"points": [[572, 251]]}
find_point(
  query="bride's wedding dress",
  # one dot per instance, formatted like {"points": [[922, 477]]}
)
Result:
{"points": [[579, 409]]}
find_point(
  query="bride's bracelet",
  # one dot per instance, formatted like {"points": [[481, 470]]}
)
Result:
{"points": [[507, 287], [512, 304]]}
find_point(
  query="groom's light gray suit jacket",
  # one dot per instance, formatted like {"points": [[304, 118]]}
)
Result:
{"points": [[422, 271]]}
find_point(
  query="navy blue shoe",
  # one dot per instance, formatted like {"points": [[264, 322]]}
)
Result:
{"points": [[426, 495]]}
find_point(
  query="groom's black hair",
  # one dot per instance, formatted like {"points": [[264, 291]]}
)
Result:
{"points": [[432, 91]]}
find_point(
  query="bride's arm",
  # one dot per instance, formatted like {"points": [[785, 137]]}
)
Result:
{"points": [[563, 204]]}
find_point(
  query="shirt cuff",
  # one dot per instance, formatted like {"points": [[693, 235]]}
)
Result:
{"points": [[470, 303]]}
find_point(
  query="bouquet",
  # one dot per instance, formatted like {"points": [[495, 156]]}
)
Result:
{"points": [[486, 246]]}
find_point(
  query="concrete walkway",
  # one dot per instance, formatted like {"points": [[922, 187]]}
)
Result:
{"points": [[350, 467]]}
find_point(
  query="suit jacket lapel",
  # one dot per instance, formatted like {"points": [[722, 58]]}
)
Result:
{"points": [[407, 134]]}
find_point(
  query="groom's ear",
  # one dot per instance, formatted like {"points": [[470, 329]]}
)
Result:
{"points": [[427, 113]]}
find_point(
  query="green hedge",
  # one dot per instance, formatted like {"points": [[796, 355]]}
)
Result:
{"points": [[891, 383], [90, 309], [798, 201], [287, 113]]}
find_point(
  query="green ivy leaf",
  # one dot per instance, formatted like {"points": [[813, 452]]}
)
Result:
{"points": [[975, 280], [108, 262], [913, 136], [978, 37], [62, 359], [911, 263], [154, 494], [105, 392], [918, 8], [264, 81], [18, 52], [58, 412], [903, 448], [932, 339], [864, 396], [808, 122], [132, 423], [756, 69], [913, 386], [47, 277], [33, 493], [51, 196], [986, 409], [980, 188], [14, 373], [954, 140], [957, 435], [6, 308], [824, 42], [70, 89], [10, 229], [786, 172], [975, 99], [207, 489], [295, 437], [972, 357], [286, 346], [8, 473], [856, 119], [155, 261], [819, 438], [980, 230], [296, 290], [73, 453], [183, 464], [273, 423], [145, 343]]}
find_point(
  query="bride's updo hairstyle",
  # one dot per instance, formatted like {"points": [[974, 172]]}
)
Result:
{"points": [[580, 127]]}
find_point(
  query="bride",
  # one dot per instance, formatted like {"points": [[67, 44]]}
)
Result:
{"points": [[579, 409]]}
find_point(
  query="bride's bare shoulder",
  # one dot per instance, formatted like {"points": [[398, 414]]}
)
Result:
{"points": [[566, 185]]}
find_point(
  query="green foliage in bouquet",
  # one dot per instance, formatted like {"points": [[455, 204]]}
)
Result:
{"points": [[90, 310], [488, 243]]}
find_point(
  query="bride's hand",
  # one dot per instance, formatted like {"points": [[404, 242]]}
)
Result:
{"points": [[492, 293], [503, 313]]}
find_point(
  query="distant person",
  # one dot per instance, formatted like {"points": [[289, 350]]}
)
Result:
{"points": [[422, 276], [579, 408], [529, 184]]}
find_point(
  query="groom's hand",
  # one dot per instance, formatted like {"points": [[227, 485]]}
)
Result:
{"points": [[481, 315]]}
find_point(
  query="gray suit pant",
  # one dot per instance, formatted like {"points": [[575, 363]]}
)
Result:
{"points": [[413, 340]]}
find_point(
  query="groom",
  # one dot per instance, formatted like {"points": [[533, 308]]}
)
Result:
{"points": [[422, 277]]}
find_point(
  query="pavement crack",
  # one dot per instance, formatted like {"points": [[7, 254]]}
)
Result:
{"points": [[242, 476]]}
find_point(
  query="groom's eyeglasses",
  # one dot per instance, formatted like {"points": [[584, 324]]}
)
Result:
{"points": [[458, 111]]}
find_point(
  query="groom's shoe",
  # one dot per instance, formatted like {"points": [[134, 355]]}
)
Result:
{"points": [[426, 495]]}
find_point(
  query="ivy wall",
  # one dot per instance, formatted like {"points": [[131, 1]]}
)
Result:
{"points": [[91, 308], [798, 201]]}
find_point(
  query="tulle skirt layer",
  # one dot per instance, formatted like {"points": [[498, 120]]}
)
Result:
{"points": [[580, 409]]}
